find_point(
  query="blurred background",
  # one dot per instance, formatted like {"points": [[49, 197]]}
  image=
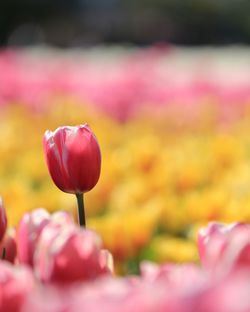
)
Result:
{"points": [[83, 22], [164, 85]]}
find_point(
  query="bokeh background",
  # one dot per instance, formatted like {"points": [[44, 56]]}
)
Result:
{"points": [[165, 85], [83, 22]]}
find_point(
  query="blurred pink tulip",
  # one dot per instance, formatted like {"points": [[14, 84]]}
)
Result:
{"points": [[73, 157], [15, 284], [31, 227], [48, 299], [224, 247], [175, 276], [229, 294], [70, 255], [119, 294], [204, 236]]}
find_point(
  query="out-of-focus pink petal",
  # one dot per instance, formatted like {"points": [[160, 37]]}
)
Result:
{"points": [[28, 231]]}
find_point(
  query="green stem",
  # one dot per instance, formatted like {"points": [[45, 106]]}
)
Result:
{"points": [[81, 212]]}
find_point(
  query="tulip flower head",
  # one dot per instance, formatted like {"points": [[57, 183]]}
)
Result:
{"points": [[73, 157], [224, 247]]}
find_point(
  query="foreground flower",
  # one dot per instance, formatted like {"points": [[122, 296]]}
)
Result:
{"points": [[223, 248], [74, 161], [70, 254], [15, 284], [30, 229]]}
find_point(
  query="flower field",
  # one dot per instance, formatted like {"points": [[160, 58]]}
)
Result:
{"points": [[173, 128]]}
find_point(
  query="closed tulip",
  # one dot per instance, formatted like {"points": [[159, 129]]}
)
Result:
{"points": [[73, 157]]}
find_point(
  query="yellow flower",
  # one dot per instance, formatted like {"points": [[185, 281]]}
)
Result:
{"points": [[172, 249]]}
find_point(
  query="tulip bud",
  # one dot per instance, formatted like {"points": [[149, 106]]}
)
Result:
{"points": [[70, 255], [73, 157], [3, 220]]}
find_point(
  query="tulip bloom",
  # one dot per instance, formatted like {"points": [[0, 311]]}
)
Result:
{"points": [[69, 254], [224, 247], [73, 157], [30, 228]]}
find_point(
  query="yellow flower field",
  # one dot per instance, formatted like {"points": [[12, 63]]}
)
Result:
{"points": [[156, 182]]}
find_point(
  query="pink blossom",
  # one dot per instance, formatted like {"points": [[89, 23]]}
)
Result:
{"points": [[70, 254], [15, 284], [174, 275], [31, 227], [73, 157], [224, 247]]}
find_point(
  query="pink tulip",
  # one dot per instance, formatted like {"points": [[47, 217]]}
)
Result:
{"points": [[175, 276], [59, 220], [119, 294], [70, 254], [8, 246], [73, 157], [204, 235], [225, 247], [15, 284], [3, 220], [48, 299], [30, 229], [229, 294]]}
